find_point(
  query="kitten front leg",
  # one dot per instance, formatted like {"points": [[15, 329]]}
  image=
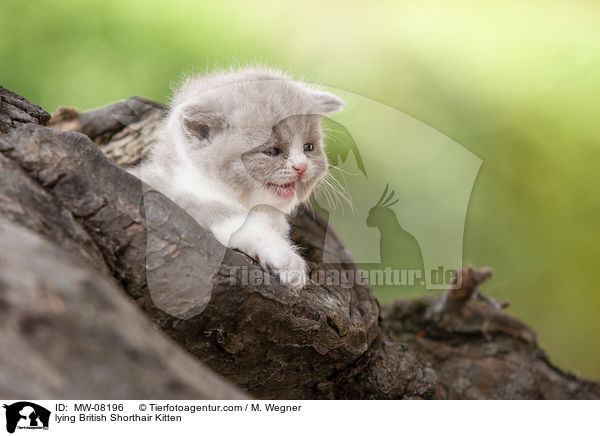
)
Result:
{"points": [[280, 257], [256, 236]]}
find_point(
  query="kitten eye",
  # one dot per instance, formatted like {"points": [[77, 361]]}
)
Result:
{"points": [[309, 146], [272, 152]]}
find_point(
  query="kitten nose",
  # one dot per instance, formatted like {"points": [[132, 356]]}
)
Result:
{"points": [[300, 169]]}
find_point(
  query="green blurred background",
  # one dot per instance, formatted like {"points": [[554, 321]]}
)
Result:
{"points": [[515, 82]]}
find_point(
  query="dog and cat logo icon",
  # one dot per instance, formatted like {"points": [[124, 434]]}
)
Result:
{"points": [[26, 415]]}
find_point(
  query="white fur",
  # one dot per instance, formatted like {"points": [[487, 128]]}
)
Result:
{"points": [[263, 235]]}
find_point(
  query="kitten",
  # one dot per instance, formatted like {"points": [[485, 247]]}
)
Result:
{"points": [[239, 151]]}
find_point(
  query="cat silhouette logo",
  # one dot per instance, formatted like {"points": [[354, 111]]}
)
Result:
{"points": [[26, 415]]}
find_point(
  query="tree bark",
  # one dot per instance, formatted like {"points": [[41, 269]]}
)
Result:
{"points": [[16, 111], [97, 221]]}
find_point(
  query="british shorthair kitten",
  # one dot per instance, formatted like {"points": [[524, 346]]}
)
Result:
{"points": [[239, 151]]}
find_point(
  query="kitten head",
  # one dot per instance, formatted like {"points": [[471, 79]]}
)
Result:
{"points": [[255, 132]]}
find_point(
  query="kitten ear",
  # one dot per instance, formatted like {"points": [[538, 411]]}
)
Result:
{"points": [[201, 123], [328, 103]]}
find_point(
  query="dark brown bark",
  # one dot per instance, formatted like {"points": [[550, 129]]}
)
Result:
{"points": [[320, 342], [16, 111], [68, 332]]}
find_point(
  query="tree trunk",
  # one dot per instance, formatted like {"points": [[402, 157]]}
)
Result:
{"points": [[76, 228]]}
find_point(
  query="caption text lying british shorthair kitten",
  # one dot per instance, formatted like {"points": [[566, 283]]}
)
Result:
{"points": [[239, 151]]}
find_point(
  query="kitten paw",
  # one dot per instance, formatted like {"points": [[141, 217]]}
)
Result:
{"points": [[288, 265]]}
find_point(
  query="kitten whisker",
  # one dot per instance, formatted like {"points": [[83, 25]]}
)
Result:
{"points": [[342, 170], [340, 190]]}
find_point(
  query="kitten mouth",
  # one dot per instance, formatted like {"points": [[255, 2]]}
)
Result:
{"points": [[284, 191]]}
